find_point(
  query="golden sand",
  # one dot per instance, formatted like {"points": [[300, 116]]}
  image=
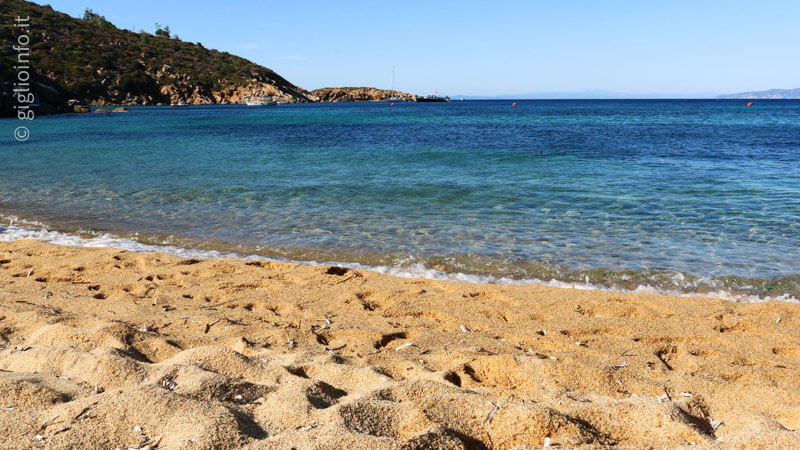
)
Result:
{"points": [[109, 348]]}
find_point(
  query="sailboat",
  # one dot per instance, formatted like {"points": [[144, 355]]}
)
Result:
{"points": [[391, 97]]}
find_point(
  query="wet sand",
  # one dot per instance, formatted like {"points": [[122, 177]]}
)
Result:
{"points": [[110, 348]]}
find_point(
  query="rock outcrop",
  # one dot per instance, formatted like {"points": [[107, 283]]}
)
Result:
{"points": [[360, 94]]}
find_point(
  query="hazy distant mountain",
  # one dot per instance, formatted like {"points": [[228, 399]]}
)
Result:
{"points": [[591, 94], [770, 94]]}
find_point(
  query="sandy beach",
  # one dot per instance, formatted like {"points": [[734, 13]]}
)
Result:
{"points": [[108, 348]]}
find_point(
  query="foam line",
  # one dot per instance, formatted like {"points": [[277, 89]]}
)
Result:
{"points": [[21, 229]]}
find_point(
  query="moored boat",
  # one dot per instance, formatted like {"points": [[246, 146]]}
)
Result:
{"points": [[267, 101], [433, 98]]}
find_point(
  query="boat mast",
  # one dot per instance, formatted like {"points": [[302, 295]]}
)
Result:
{"points": [[391, 93]]}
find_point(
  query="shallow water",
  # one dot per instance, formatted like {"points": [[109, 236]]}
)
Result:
{"points": [[691, 195]]}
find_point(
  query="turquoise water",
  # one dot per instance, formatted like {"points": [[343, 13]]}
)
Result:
{"points": [[691, 195]]}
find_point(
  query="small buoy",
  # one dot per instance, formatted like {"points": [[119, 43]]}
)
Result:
{"points": [[514, 104], [391, 104], [750, 104]]}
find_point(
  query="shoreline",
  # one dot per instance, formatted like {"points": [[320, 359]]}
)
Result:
{"points": [[121, 348], [34, 229]]}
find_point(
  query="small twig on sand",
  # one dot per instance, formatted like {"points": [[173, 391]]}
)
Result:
{"points": [[209, 325], [83, 411], [215, 305], [47, 422], [490, 416], [348, 278], [308, 427], [664, 361]]}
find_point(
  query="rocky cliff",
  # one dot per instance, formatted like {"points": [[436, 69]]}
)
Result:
{"points": [[359, 94], [93, 61]]}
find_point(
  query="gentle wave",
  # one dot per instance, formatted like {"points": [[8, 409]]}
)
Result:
{"points": [[15, 229]]}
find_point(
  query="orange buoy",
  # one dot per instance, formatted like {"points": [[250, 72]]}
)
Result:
{"points": [[750, 104], [514, 104], [391, 104]]}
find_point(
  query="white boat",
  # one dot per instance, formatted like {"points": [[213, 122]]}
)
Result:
{"points": [[267, 101], [433, 99]]}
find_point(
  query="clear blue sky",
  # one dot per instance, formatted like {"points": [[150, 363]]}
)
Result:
{"points": [[490, 48]]}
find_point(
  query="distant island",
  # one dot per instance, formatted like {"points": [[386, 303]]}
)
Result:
{"points": [[774, 94]]}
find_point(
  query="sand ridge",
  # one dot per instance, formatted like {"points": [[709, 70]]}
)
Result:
{"points": [[111, 348]]}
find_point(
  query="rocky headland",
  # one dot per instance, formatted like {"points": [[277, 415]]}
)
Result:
{"points": [[91, 61], [75, 63], [359, 94]]}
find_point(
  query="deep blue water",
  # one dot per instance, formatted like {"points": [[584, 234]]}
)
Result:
{"points": [[699, 195]]}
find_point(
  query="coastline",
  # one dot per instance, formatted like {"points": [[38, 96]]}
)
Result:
{"points": [[117, 348], [12, 228]]}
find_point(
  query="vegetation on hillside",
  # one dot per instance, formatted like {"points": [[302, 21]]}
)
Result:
{"points": [[93, 61]]}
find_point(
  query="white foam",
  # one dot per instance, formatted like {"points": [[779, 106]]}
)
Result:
{"points": [[35, 230], [21, 229]]}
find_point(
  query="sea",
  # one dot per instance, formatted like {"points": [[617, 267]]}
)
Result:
{"points": [[679, 197]]}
